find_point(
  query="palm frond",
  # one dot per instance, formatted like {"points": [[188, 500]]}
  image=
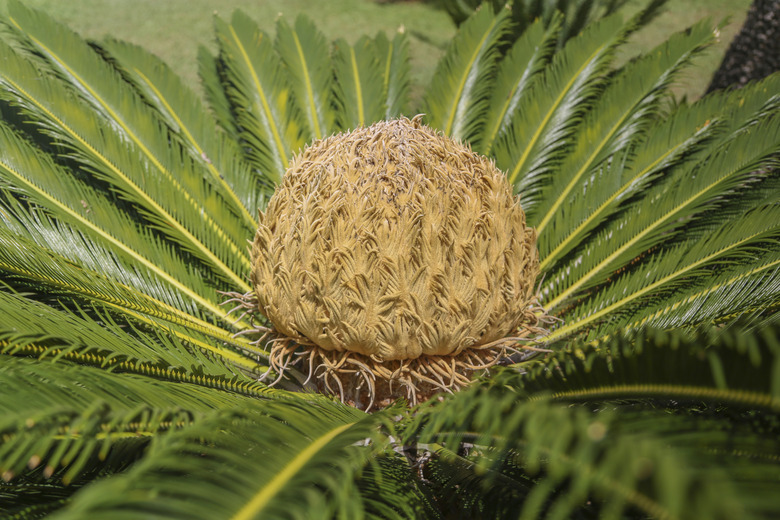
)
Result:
{"points": [[576, 461], [618, 121], [359, 83], [457, 97], [304, 51], [139, 162], [578, 14], [394, 54], [740, 249], [670, 143], [31, 500], [719, 367], [35, 175], [390, 489], [547, 117], [462, 10], [520, 425], [43, 272], [258, 89], [210, 72], [310, 473], [65, 440], [687, 134], [191, 125], [688, 193], [95, 338], [517, 73], [480, 491], [62, 418], [748, 290]]}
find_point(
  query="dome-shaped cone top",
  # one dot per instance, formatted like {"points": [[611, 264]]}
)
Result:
{"points": [[394, 242]]}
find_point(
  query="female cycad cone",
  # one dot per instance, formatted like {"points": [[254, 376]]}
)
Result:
{"points": [[393, 258]]}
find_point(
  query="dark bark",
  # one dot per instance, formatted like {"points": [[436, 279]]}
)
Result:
{"points": [[755, 52]]}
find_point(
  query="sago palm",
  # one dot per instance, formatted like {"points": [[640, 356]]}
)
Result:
{"points": [[129, 208]]}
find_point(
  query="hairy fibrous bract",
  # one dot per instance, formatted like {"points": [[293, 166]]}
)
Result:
{"points": [[392, 260]]}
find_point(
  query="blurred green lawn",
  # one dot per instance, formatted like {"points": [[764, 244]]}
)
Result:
{"points": [[173, 29]]}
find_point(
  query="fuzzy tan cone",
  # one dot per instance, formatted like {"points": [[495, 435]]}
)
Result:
{"points": [[393, 259]]}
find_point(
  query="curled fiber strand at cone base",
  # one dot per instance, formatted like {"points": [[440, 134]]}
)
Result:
{"points": [[394, 259]]}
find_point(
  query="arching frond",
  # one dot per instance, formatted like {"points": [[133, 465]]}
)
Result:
{"points": [[35, 175], [390, 488], [728, 367], [618, 122], [394, 55], [59, 419], [136, 157], [689, 192], [744, 290], [578, 14], [304, 51], [669, 144], [308, 456], [479, 491], [743, 248], [31, 499], [95, 338], [210, 72], [547, 117], [44, 272], [619, 460], [555, 461], [517, 73], [192, 126], [457, 98], [359, 83], [257, 88]]}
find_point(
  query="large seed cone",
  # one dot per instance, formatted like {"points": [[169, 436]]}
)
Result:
{"points": [[394, 242]]}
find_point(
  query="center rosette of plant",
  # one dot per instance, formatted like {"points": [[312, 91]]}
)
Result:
{"points": [[394, 261]]}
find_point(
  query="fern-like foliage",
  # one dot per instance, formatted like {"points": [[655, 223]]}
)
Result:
{"points": [[128, 389], [613, 430], [578, 14], [322, 446]]}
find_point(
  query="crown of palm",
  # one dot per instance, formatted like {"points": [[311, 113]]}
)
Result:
{"points": [[126, 205]]}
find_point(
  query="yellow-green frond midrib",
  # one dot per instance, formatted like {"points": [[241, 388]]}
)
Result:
{"points": [[746, 398], [577, 176], [157, 308], [548, 259], [112, 363], [358, 87], [582, 280], [153, 204], [568, 329], [260, 500], [464, 78], [101, 232], [266, 107], [309, 89], [246, 216], [540, 129]]}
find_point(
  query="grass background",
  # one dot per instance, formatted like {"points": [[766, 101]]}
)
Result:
{"points": [[173, 29]]}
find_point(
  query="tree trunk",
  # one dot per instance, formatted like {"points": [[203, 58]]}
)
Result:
{"points": [[755, 52]]}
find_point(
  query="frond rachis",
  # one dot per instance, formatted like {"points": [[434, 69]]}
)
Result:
{"points": [[394, 259]]}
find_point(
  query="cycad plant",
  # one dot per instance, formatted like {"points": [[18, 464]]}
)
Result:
{"points": [[130, 390]]}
